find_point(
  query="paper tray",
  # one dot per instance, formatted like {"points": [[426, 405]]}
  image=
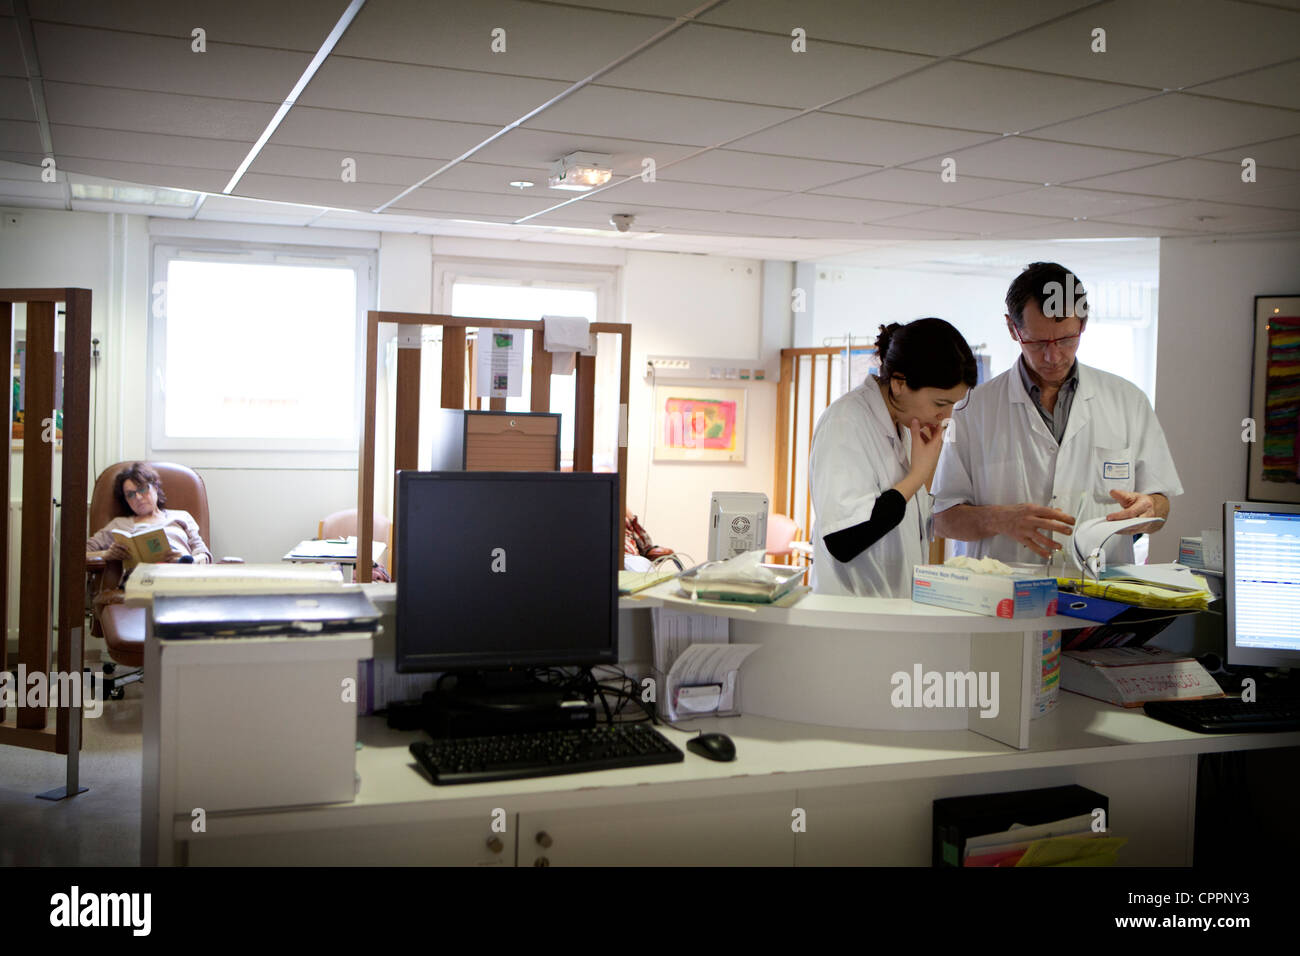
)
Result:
{"points": [[787, 578]]}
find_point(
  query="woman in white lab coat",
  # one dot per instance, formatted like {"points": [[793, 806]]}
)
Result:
{"points": [[873, 456]]}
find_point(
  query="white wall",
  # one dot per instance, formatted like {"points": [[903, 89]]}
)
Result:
{"points": [[1207, 309], [689, 305]]}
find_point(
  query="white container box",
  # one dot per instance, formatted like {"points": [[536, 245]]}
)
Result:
{"points": [[991, 594]]}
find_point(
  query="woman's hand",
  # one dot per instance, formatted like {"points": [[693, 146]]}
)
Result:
{"points": [[927, 443], [116, 553]]}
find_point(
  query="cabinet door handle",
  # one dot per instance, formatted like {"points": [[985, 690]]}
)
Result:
{"points": [[494, 844], [541, 861], [544, 840]]}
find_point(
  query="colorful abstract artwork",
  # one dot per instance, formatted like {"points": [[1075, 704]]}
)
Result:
{"points": [[1275, 453], [699, 424]]}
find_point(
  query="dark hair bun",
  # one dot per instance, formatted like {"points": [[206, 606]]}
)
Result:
{"points": [[884, 338]]}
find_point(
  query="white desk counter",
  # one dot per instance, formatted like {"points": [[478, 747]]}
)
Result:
{"points": [[865, 797]]}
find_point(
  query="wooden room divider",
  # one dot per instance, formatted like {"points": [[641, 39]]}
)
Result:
{"points": [[406, 451], [30, 727]]}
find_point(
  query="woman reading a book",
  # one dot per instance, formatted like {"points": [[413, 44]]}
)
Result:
{"points": [[143, 507]]}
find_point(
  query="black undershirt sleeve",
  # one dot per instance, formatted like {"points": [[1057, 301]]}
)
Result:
{"points": [[887, 514]]}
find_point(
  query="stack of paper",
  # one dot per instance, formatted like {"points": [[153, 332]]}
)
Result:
{"points": [[1069, 842], [695, 666]]}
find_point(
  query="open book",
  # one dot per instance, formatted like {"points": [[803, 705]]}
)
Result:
{"points": [[149, 546]]}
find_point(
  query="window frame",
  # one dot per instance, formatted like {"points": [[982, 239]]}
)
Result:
{"points": [[249, 450]]}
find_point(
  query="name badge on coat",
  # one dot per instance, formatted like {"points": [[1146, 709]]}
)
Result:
{"points": [[1118, 470]]}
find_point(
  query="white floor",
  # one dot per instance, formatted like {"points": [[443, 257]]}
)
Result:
{"points": [[100, 827]]}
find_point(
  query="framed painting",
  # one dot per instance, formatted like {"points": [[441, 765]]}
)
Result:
{"points": [[697, 423], [1274, 469]]}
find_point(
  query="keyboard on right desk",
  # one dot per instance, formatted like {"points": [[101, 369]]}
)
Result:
{"points": [[1228, 715], [516, 756]]}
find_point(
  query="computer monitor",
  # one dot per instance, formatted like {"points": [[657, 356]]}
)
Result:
{"points": [[1261, 574], [503, 570]]}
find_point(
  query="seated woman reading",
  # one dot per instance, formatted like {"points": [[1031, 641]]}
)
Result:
{"points": [[142, 504]]}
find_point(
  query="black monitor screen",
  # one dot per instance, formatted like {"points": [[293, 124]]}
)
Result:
{"points": [[506, 569]]}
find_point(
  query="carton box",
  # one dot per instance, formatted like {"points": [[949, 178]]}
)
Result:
{"points": [[991, 594]]}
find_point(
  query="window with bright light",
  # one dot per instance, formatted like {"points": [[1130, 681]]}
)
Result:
{"points": [[256, 350], [529, 292]]}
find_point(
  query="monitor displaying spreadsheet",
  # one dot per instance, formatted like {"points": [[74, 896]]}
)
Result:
{"points": [[1262, 583]]}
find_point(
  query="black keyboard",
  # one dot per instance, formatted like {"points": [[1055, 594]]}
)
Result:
{"points": [[513, 756], [1228, 715]]}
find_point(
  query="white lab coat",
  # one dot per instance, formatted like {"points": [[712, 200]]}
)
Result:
{"points": [[1003, 453], [856, 454]]}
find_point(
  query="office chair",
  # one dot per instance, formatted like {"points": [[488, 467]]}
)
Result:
{"points": [[123, 628], [782, 535]]}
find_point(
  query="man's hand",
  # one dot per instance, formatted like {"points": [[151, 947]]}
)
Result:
{"points": [[1023, 522], [1139, 506]]}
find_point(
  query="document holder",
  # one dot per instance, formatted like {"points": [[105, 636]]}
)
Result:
{"points": [[957, 819]]}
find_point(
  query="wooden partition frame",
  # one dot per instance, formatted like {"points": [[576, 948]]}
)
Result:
{"points": [[406, 452], [787, 414], [34, 609]]}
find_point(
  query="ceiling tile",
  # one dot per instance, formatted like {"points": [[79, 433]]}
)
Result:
{"points": [[365, 196], [542, 40], [1068, 229], [11, 53], [969, 221], [832, 208], [665, 118], [232, 208], [1284, 152], [16, 100], [1275, 86], [1280, 196], [851, 139], [1027, 159], [173, 177], [942, 28], [327, 164], [741, 224], [1177, 123], [279, 26], [683, 195], [398, 135], [490, 178], [914, 186], [747, 67], [1164, 44], [20, 137], [1213, 217], [142, 112], [658, 8], [758, 171], [539, 149], [989, 98], [132, 61], [1067, 202], [1192, 179], [122, 146], [450, 201], [398, 89]]}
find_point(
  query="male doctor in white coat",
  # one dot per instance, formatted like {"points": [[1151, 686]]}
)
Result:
{"points": [[1050, 440]]}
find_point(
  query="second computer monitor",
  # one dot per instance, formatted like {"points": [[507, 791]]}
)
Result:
{"points": [[1261, 576], [506, 569]]}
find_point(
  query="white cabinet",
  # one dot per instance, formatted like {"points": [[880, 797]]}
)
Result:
{"points": [[733, 831], [459, 842]]}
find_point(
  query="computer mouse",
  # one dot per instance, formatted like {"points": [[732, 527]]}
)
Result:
{"points": [[713, 746]]}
